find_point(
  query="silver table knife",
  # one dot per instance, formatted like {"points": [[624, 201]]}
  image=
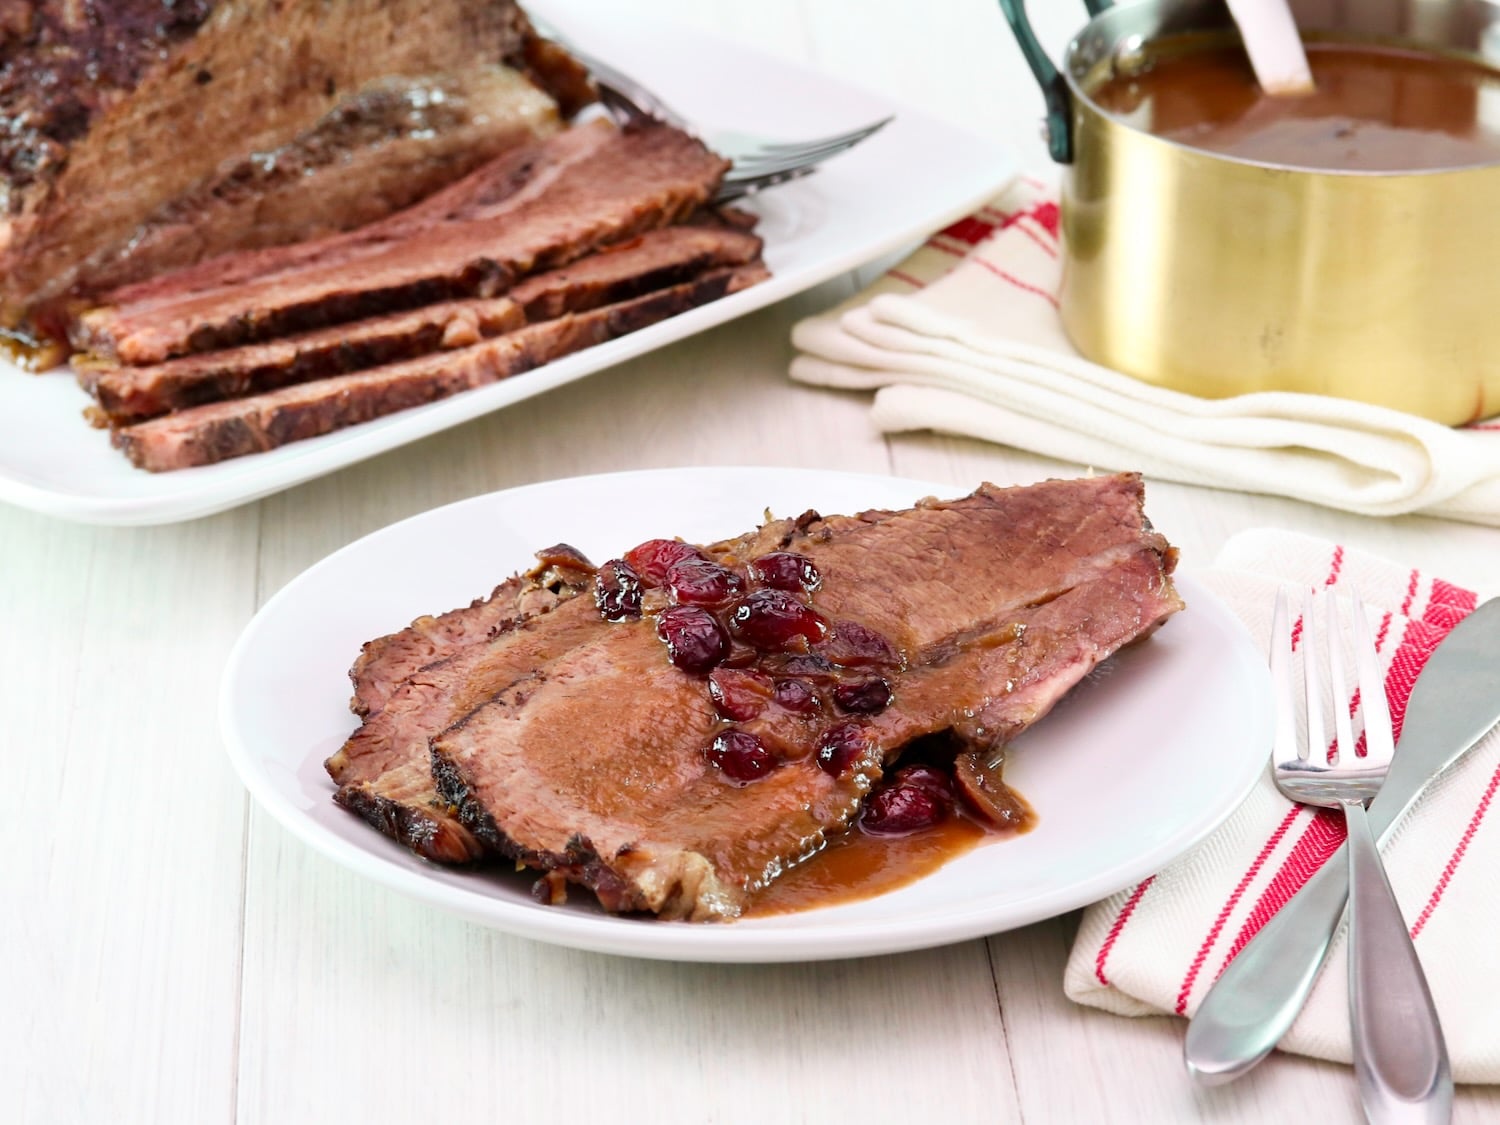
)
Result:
{"points": [[1454, 702]]}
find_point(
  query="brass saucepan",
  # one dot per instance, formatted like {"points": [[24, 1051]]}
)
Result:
{"points": [[1218, 275]]}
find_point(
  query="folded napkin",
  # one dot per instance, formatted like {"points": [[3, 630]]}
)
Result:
{"points": [[964, 337], [1157, 947]]}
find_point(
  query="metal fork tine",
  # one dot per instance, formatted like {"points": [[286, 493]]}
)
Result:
{"points": [[1316, 736], [786, 163], [1342, 724], [1379, 741], [1281, 682], [806, 150], [774, 147]]}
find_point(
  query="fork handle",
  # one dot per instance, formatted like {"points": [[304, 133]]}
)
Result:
{"points": [[1400, 1059]]}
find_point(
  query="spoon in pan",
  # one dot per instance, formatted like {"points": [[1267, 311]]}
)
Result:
{"points": [[1275, 48]]}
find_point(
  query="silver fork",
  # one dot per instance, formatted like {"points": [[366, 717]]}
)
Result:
{"points": [[1400, 1059], [756, 162]]}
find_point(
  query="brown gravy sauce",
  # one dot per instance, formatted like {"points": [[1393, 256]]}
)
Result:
{"points": [[1376, 108], [858, 866], [29, 354]]}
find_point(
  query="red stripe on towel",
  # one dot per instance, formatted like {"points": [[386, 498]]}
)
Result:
{"points": [[952, 251], [1016, 281], [969, 229], [1411, 592], [1417, 643], [1228, 909], [1321, 838], [1335, 565], [906, 277], [1042, 244], [1119, 924], [1458, 854], [1448, 604]]}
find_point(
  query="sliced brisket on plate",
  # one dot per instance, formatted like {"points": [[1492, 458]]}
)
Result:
{"points": [[979, 613], [655, 260], [137, 135], [385, 662], [637, 180], [203, 435], [415, 682]]}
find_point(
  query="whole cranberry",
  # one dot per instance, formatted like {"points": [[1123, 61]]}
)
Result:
{"points": [[773, 619], [738, 694], [703, 582], [741, 756], [863, 696], [929, 779], [840, 747], [796, 696], [617, 591], [852, 645], [899, 810], [783, 570], [653, 558], [696, 642]]}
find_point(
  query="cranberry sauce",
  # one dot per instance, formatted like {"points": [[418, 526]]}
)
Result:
{"points": [[754, 633]]}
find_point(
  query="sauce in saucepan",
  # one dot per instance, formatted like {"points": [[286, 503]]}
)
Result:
{"points": [[1376, 108]]}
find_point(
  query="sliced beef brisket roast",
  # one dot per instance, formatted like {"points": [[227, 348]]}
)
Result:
{"points": [[633, 181], [140, 136], [602, 763], [204, 435], [655, 260], [417, 681]]}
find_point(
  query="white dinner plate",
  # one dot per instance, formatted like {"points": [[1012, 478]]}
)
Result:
{"points": [[1140, 762], [911, 178]]}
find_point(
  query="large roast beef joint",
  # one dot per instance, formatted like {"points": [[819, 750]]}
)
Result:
{"points": [[267, 222]]}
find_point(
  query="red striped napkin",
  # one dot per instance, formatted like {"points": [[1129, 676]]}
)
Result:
{"points": [[964, 337], [1157, 947]]}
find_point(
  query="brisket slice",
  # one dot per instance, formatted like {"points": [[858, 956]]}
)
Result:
{"points": [[592, 765], [127, 395], [639, 180], [506, 182], [382, 771], [382, 148], [413, 684], [216, 432], [385, 661], [132, 130], [652, 261]]}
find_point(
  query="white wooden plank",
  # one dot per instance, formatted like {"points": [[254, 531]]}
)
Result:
{"points": [[362, 1005], [122, 883]]}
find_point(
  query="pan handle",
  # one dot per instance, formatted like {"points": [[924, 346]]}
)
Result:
{"points": [[1054, 87]]}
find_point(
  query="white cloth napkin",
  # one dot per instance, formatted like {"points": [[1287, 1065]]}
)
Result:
{"points": [[1157, 947], [964, 337]]}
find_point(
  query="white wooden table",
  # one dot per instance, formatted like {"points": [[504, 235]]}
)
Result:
{"points": [[170, 954]]}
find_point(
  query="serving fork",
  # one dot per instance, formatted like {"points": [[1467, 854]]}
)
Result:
{"points": [[1400, 1059], [756, 162]]}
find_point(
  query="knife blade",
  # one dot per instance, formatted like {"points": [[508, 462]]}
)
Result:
{"points": [[1454, 702]]}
